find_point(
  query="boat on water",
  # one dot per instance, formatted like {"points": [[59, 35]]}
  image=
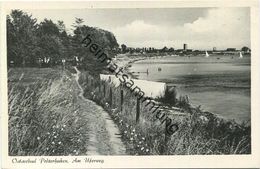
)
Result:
{"points": [[206, 54], [240, 55]]}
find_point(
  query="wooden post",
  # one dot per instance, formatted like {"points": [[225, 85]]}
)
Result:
{"points": [[137, 110], [104, 85], [122, 99], [110, 97]]}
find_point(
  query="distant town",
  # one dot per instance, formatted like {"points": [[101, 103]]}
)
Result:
{"points": [[184, 51]]}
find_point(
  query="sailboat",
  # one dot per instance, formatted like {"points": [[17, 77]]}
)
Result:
{"points": [[207, 55], [240, 55]]}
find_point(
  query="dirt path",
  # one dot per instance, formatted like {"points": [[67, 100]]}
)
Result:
{"points": [[104, 138]]}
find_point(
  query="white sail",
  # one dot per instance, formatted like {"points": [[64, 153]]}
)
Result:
{"points": [[207, 55], [240, 55]]}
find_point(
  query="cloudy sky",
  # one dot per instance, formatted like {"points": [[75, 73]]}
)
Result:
{"points": [[200, 28]]}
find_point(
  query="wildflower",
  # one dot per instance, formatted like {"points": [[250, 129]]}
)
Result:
{"points": [[133, 130], [59, 142], [135, 135], [74, 151], [143, 138], [55, 136], [132, 133], [140, 142], [64, 125], [125, 131], [62, 129], [53, 142], [38, 138], [147, 150], [131, 139], [48, 133], [142, 148], [47, 148]]}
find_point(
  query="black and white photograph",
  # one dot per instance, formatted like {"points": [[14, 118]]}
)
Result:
{"points": [[129, 81], [150, 82]]}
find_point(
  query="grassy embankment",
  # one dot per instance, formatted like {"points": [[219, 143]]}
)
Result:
{"points": [[199, 132], [44, 118]]}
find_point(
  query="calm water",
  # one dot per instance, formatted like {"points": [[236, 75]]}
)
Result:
{"points": [[220, 84]]}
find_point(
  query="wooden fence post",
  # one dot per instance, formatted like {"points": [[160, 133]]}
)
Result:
{"points": [[110, 97], [99, 87], [137, 110], [104, 86], [122, 99]]}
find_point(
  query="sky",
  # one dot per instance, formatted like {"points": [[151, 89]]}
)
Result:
{"points": [[200, 28]]}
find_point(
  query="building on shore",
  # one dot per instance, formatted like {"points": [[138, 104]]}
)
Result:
{"points": [[185, 47]]}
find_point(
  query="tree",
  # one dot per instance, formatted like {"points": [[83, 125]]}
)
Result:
{"points": [[47, 27], [61, 26], [104, 39], [78, 22], [29, 43], [123, 46], [50, 41], [21, 38], [77, 26], [245, 49]]}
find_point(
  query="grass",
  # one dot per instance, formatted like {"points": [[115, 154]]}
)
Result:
{"points": [[199, 132], [44, 117]]}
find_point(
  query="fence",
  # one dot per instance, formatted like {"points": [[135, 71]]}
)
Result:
{"points": [[134, 118]]}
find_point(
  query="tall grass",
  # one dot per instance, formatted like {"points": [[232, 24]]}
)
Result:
{"points": [[44, 117]]}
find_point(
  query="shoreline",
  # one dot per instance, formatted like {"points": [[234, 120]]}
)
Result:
{"points": [[131, 61]]}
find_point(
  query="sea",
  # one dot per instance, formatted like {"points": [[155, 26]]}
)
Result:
{"points": [[219, 84]]}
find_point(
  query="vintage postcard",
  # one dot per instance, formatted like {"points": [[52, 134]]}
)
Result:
{"points": [[130, 84]]}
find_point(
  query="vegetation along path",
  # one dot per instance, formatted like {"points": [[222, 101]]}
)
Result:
{"points": [[104, 138]]}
